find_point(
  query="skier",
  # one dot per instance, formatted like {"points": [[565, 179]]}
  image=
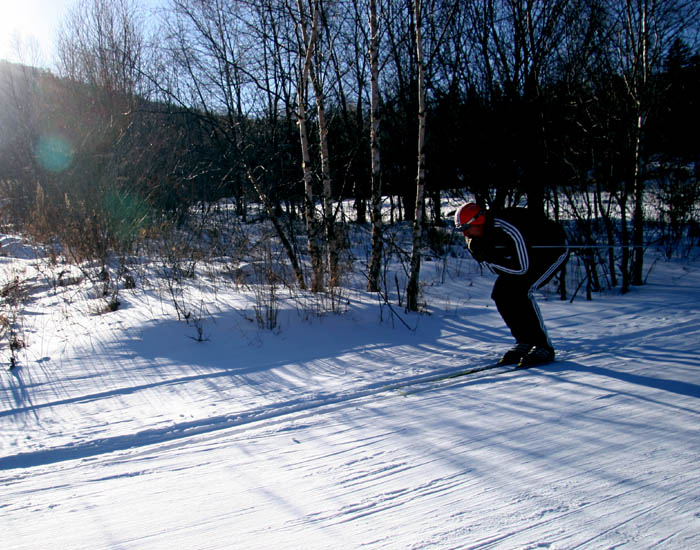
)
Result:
{"points": [[525, 251]]}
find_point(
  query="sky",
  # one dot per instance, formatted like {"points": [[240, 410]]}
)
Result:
{"points": [[35, 23]]}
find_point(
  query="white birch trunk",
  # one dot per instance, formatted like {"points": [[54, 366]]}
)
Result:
{"points": [[375, 262], [312, 226], [412, 290]]}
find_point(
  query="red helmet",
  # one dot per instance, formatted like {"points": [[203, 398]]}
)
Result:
{"points": [[469, 214]]}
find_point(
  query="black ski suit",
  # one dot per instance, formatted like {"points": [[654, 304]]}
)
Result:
{"points": [[525, 250]]}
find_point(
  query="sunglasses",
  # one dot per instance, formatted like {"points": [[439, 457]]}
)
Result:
{"points": [[468, 224]]}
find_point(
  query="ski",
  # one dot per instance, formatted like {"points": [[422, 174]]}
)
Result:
{"points": [[414, 386], [429, 382], [467, 371], [420, 382]]}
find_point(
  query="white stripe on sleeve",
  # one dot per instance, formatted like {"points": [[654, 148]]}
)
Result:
{"points": [[523, 257]]}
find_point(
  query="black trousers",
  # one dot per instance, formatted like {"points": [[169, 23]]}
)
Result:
{"points": [[515, 301]]}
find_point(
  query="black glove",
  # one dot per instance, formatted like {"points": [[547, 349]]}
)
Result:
{"points": [[478, 248]]}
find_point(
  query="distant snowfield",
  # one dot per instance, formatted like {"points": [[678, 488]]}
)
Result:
{"points": [[122, 431]]}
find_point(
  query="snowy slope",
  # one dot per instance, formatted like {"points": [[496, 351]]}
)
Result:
{"points": [[122, 431]]}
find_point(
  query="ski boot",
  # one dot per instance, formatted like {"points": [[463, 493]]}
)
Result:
{"points": [[539, 355], [515, 354]]}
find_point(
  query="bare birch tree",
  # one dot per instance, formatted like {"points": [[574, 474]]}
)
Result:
{"points": [[375, 262], [313, 56], [318, 83], [413, 287], [307, 43]]}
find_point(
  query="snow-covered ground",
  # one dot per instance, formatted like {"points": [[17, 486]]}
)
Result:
{"points": [[122, 431]]}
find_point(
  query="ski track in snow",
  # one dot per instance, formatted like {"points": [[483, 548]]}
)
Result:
{"points": [[125, 444]]}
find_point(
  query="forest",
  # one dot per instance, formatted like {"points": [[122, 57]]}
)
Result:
{"points": [[164, 133]]}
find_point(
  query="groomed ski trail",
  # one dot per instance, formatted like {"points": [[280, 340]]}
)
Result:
{"points": [[467, 467], [273, 413]]}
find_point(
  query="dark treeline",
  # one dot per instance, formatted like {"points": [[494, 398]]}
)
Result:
{"points": [[586, 110]]}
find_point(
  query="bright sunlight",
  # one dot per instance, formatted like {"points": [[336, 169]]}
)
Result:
{"points": [[28, 28]]}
